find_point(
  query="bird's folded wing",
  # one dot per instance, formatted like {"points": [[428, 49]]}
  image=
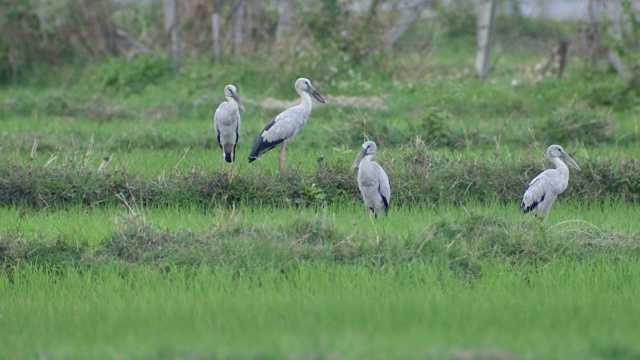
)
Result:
{"points": [[279, 130], [216, 123], [273, 135], [384, 186], [534, 192]]}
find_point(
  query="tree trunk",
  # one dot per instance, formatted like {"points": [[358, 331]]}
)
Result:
{"points": [[215, 29], [171, 31], [486, 18], [250, 11], [614, 13], [238, 29], [284, 23]]}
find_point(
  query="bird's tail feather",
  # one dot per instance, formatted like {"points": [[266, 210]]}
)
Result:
{"points": [[229, 153]]}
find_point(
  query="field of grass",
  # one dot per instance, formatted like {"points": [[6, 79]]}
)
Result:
{"points": [[122, 235], [319, 311]]}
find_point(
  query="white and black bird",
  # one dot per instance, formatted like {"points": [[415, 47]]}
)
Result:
{"points": [[543, 190], [226, 121], [287, 124], [373, 182]]}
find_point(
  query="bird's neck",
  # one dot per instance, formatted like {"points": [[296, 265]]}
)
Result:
{"points": [[560, 165], [306, 103], [232, 102]]}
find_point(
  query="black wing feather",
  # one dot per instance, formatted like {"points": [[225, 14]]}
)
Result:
{"points": [[260, 146], [384, 200], [522, 203], [218, 136], [533, 205], [227, 155]]}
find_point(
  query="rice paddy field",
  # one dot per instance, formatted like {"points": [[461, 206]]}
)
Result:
{"points": [[124, 236]]}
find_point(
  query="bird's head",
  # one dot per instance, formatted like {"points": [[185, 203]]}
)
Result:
{"points": [[369, 148], [231, 93], [303, 84], [556, 151]]}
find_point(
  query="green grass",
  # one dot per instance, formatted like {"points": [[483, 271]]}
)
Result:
{"points": [[567, 310], [162, 254], [100, 224]]}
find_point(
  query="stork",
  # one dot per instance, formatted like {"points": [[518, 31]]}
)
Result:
{"points": [[226, 121], [287, 124], [373, 182], [542, 191]]}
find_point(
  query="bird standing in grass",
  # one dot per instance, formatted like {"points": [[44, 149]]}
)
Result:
{"points": [[287, 124], [226, 121], [543, 190], [373, 182]]}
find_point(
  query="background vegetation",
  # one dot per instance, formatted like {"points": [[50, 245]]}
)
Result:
{"points": [[122, 233]]}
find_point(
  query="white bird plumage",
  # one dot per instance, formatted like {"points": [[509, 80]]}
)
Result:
{"points": [[287, 124], [543, 189], [226, 121], [373, 182]]}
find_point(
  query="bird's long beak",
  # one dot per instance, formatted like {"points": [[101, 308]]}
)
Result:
{"points": [[237, 99], [569, 161], [358, 159], [316, 94]]}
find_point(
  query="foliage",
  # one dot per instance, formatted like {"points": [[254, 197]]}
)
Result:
{"points": [[459, 19], [64, 32], [628, 44], [145, 231], [463, 245], [434, 127], [420, 177], [74, 31], [133, 75], [325, 24], [578, 123]]}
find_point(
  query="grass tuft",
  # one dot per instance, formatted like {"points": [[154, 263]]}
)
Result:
{"points": [[420, 177]]}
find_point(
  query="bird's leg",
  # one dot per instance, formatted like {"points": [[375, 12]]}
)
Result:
{"points": [[372, 217], [232, 172], [233, 161], [281, 157]]}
